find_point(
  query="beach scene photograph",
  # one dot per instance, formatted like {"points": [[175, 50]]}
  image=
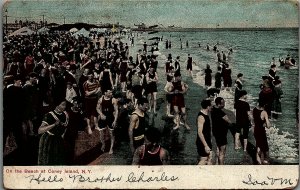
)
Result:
{"points": [[197, 82]]}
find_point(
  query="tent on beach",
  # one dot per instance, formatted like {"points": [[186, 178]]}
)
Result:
{"points": [[68, 27], [43, 30], [83, 32], [126, 30], [72, 30], [99, 30], [22, 32]]}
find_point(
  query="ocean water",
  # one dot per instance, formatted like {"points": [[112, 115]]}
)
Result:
{"points": [[252, 56]]}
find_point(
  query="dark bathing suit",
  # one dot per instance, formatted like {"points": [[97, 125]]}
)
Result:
{"points": [[219, 126], [206, 132], [151, 158], [138, 133], [259, 131], [107, 110], [178, 99], [189, 65]]}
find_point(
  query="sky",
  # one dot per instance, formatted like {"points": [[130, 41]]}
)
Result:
{"points": [[181, 13]]}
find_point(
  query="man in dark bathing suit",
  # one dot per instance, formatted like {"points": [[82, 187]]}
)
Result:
{"points": [[179, 89], [107, 108], [189, 66], [137, 125], [203, 140], [220, 125], [151, 153], [243, 119]]}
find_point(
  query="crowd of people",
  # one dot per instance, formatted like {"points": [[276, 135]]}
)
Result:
{"points": [[268, 108], [56, 85]]}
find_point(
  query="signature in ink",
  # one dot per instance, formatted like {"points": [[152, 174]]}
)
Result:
{"points": [[268, 181]]}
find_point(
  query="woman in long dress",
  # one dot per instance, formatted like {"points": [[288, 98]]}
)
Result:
{"points": [[51, 145]]}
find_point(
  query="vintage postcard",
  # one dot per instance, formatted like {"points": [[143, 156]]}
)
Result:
{"points": [[150, 94]]}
